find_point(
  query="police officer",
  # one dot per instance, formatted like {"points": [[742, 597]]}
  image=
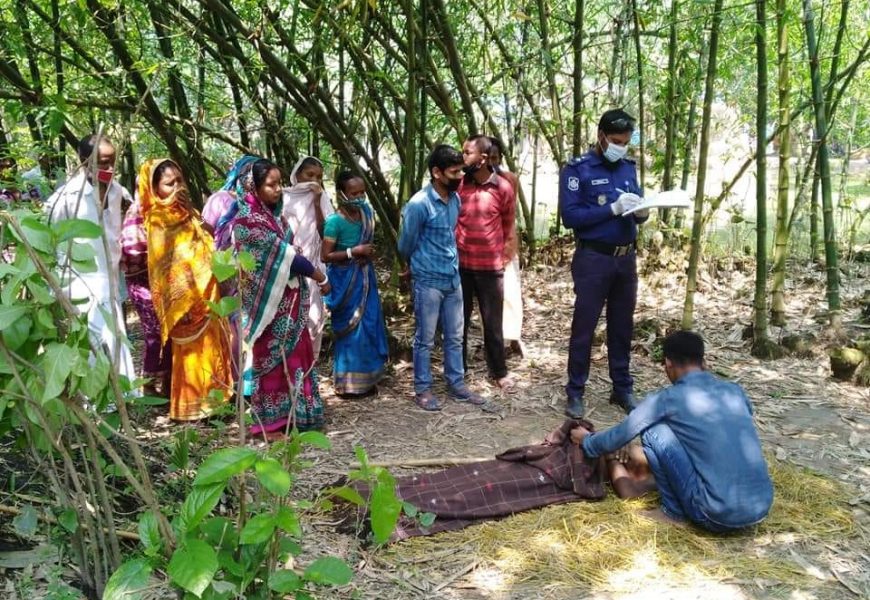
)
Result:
{"points": [[595, 190]]}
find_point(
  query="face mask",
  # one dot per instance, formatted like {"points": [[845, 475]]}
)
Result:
{"points": [[357, 202], [105, 175], [614, 151]]}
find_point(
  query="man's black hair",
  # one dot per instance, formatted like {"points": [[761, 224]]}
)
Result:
{"points": [[684, 348], [616, 121], [483, 143], [86, 145], [443, 157], [498, 145]]}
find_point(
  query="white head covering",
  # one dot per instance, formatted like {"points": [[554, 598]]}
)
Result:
{"points": [[294, 180]]}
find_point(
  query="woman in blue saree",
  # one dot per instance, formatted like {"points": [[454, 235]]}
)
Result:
{"points": [[357, 318]]}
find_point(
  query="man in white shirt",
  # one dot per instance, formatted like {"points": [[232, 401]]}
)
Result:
{"points": [[100, 290]]}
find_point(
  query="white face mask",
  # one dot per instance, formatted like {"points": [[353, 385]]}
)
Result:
{"points": [[614, 151]]}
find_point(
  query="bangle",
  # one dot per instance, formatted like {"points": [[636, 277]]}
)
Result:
{"points": [[349, 253], [325, 280]]}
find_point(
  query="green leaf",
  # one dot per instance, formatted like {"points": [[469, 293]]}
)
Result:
{"points": [[223, 464], [198, 505], [349, 494], [426, 519], [149, 534], [409, 509], [385, 509], [57, 362], [40, 293], [225, 307], [97, 377], [220, 532], [77, 228], [247, 261], [69, 520], [25, 523], [284, 581], [328, 571], [82, 252], [258, 530], [193, 566], [273, 477], [128, 581], [11, 314], [222, 265], [289, 546], [316, 439], [17, 333], [287, 520], [148, 400], [37, 234]]}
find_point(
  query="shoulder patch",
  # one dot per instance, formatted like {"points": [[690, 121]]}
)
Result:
{"points": [[573, 183]]}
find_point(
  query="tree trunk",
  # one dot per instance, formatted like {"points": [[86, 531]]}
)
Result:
{"points": [[831, 258], [409, 168], [709, 92], [780, 247], [670, 103], [640, 104], [577, 45], [759, 326], [814, 213]]}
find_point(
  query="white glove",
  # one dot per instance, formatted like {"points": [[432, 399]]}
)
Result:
{"points": [[626, 201]]}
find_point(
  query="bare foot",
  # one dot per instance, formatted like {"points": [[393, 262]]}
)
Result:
{"points": [[658, 514], [506, 383], [274, 436]]}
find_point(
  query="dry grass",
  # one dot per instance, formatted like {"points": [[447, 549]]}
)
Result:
{"points": [[608, 546]]}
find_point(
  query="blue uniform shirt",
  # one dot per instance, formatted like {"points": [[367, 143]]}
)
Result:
{"points": [[587, 187], [428, 239], [712, 419]]}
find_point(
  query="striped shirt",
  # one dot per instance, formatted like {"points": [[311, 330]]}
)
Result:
{"points": [[427, 238], [486, 222]]}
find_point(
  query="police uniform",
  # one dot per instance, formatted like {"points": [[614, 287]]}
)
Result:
{"points": [[603, 268]]}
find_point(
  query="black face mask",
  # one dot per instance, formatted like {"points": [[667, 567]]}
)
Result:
{"points": [[452, 184]]}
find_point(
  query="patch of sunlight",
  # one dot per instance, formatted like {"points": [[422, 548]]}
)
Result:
{"points": [[490, 579]]}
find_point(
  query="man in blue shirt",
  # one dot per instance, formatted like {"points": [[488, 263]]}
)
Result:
{"points": [[428, 241], [595, 190], [700, 441]]}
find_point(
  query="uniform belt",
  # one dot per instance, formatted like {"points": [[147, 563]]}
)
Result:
{"points": [[609, 249]]}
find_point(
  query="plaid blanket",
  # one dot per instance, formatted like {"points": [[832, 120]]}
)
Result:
{"points": [[518, 479]]}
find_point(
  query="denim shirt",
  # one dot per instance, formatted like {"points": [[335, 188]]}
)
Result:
{"points": [[712, 419], [428, 239]]}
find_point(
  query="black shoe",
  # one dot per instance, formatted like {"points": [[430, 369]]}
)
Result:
{"points": [[575, 408], [624, 400]]}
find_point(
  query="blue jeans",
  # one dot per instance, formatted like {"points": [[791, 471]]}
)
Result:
{"points": [[430, 304], [598, 280], [675, 477]]}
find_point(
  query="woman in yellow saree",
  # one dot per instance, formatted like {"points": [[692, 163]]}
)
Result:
{"points": [[182, 284]]}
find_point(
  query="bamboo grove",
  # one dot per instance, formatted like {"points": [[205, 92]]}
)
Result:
{"points": [[376, 84]]}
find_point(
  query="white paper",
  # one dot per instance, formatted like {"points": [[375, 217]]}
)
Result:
{"points": [[669, 199]]}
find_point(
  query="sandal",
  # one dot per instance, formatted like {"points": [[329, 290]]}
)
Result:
{"points": [[427, 401]]}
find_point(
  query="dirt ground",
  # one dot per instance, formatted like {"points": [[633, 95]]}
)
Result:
{"points": [[804, 417]]}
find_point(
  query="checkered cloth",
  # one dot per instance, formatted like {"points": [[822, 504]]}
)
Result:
{"points": [[519, 479]]}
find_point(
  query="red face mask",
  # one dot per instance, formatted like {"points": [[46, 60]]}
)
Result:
{"points": [[105, 175]]}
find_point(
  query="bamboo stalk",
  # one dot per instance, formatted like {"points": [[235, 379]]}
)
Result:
{"points": [[443, 461], [11, 510]]}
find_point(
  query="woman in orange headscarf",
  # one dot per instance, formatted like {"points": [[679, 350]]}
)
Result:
{"points": [[182, 285]]}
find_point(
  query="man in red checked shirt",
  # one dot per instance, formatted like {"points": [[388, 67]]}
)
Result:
{"points": [[484, 234]]}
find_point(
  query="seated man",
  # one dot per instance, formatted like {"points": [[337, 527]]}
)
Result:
{"points": [[700, 442]]}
